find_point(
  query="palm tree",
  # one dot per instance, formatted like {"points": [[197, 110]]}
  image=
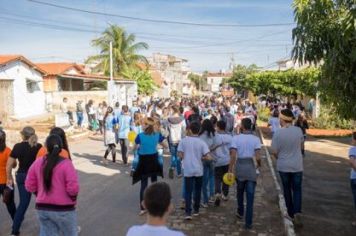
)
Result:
{"points": [[124, 51]]}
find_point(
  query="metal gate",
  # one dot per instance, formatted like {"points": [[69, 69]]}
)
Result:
{"points": [[6, 100]]}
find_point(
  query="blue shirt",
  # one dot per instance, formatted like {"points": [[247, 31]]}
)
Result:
{"points": [[352, 155], [148, 143], [110, 122], [124, 126]]}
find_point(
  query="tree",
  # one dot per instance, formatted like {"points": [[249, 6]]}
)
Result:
{"points": [[325, 34], [197, 80], [124, 50], [239, 77], [143, 78]]}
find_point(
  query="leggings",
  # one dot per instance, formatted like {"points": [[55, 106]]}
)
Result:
{"points": [[111, 148]]}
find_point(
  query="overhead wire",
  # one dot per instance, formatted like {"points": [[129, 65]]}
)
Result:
{"points": [[156, 20]]}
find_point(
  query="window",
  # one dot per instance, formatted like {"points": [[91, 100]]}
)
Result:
{"points": [[32, 86]]}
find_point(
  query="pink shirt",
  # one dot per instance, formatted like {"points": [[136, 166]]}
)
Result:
{"points": [[64, 188]]}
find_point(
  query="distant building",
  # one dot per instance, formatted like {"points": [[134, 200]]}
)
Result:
{"points": [[214, 80], [286, 64], [21, 88], [174, 72]]}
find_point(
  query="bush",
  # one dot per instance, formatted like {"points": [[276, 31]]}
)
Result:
{"points": [[328, 119], [264, 114]]}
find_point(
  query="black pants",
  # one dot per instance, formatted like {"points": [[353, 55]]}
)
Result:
{"points": [[111, 148], [219, 183], [124, 143], [144, 183], [101, 126], [11, 208], [193, 186]]}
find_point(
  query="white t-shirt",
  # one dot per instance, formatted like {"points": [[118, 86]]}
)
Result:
{"points": [[194, 149], [149, 230], [222, 153], [246, 145]]}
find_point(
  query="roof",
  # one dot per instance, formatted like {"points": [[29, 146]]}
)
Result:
{"points": [[56, 68], [91, 76], [6, 59], [219, 74]]}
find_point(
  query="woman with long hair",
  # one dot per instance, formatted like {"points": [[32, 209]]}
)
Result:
{"points": [[148, 164], [25, 153], [65, 153], [207, 133], [4, 156], [55, 182], [109, 135]]}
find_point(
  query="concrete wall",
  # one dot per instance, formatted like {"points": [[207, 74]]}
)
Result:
{"points": [[54, 99], [26, 103]]}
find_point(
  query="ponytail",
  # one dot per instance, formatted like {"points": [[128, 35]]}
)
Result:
{"points": [[32, 140], [54, 147]]}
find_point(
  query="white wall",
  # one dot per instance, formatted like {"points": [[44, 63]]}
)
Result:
{"points": [[214, 83], [26, 104]]}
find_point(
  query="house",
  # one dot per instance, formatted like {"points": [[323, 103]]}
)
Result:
{"points": [[21, 88], [174, 71], [214, 80]]}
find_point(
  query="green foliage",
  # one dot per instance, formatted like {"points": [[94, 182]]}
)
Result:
{"points": [[329, 119], [284, 83], [143, 78], [263, 114], [197, 80], [124, 51], [239, 77], [325, 34]]}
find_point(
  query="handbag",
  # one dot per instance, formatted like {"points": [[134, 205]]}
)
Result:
{"points": [[7, 194]]}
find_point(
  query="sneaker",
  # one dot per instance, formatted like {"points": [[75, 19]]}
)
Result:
{"points": [[179, 176], [188, 217], [142, 212], [171, 173], [217, 202], [297, 221], [211, 200], [239, 216], [225, 198], [196, 213], [248, 227], [204, 205]]}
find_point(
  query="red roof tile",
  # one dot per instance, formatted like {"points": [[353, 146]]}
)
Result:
{"points": [[57, 68], [5, 59]]}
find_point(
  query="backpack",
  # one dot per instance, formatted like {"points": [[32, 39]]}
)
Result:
{"points": [[175, 132]]}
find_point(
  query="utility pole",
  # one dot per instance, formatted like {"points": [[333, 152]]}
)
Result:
{"points": [[110, 84]]}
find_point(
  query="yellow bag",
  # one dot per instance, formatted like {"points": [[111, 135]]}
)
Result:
{"points": [[229, 179], [132, 136]]}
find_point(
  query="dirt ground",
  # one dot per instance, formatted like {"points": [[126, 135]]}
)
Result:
{"points": [[327, 199]]}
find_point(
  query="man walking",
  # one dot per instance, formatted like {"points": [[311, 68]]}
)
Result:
{"points": [[286, 146]]}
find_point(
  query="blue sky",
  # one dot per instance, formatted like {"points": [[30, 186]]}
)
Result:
{"points": [[206, 48]]}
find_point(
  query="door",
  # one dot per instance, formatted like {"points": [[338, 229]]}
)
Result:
{"points": [[6, 100]]}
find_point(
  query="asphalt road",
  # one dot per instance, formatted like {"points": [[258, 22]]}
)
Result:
{"points": [[108, 204]]}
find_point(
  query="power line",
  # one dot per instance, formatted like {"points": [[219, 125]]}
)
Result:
{"points": [[158, 21]]}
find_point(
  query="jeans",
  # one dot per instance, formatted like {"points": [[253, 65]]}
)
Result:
{"points": [[25, 198], [292, 191], [208, 181], [192, 184], [353, 189], [124, 143], [248, 187], [57, 223], [80, 118], [11, 208], [144, 183], [175, 160], [219, 183]]}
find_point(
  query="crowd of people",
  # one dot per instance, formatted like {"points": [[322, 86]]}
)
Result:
{"points": [[208, 138]]}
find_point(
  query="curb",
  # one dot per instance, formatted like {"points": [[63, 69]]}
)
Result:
{"points": [[288, 224], [80, 135]]}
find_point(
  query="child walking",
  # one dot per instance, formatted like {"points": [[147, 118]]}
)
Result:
{"points": [[192, 150]]}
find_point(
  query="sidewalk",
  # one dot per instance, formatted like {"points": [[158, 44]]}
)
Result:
{"points": [[327, 199], [221, 221]]}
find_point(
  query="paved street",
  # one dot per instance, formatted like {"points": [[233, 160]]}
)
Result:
{"points": [[108, 203], [327, 199]]}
